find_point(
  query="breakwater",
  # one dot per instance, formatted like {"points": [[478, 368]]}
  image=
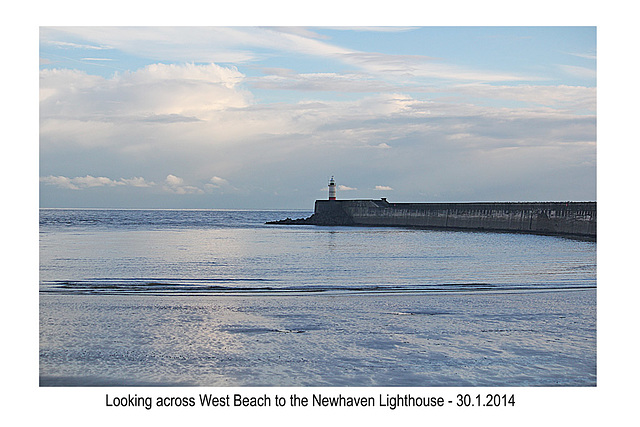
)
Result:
{"points": [[568, 219]]}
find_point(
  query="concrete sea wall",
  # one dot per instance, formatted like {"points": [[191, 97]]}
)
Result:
{"points": [[570, 219]]}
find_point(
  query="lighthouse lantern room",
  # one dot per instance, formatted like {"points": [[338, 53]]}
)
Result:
{"points": [[332, 189]]}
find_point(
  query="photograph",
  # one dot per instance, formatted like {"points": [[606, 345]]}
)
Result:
{"points": [[317, 206]]}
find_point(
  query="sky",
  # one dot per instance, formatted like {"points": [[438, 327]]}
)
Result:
{"points": [[262, 117]]}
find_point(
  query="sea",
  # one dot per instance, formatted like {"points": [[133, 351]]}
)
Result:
{"points": [[220, 298]]}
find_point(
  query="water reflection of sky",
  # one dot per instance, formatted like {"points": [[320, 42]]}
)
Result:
{"points": [[301, 256]]}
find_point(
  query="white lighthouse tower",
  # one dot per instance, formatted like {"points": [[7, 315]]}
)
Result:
{"points": [[332, 189]]}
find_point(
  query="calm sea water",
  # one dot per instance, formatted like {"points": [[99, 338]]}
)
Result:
{"points": [[206, 297]]}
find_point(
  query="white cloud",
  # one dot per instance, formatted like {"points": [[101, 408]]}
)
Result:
{"points": [[423, 67], [378, 29], [584, 55], [176, 185], [156, 91], [173, 184], [69, 45], [216, 181], [345, 188], [152, 110], [173, 180], [239, 44], [349, 82], [379, 73], [59, 181], [562, 96], [137, 182], [187, 126], [89, 181], [297, 141], [459, 136], [219, 184], [199, 44], [341, 187], [577, 71], [60, 84]]}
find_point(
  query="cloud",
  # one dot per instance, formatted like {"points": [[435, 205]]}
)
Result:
{"points": [[175, 185], [89, 181], [141, 111], [341, 187], [345, 188], [248, 44], [59, 84], [59, 181], [580, 72], [137, 182], [295, 142], [562, 96], [169, 118], [174, 181], [217, 182], [379, 73], [156, 92], [348, 82], [415, 123], [186, 44], [219, 185], [378, 29], [423, 67], [584, 55], [69, 45]]}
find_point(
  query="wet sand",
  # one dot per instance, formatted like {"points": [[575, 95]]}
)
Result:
{"points": [[454, 339]]}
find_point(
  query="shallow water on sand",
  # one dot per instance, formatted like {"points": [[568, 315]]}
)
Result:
{"points": [[218, 298], [502, 339]]}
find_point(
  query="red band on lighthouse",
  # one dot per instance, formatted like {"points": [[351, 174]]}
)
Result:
{"points": [[332, 189]]}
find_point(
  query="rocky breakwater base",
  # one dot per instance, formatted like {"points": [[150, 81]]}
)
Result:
{"points": [[298, 221], [566, 219]]}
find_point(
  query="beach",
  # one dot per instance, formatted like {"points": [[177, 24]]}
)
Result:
{"points": [[218, 298], [449, 339]]}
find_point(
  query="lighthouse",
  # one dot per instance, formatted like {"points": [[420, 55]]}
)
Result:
{"points": [[332, 189]]}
